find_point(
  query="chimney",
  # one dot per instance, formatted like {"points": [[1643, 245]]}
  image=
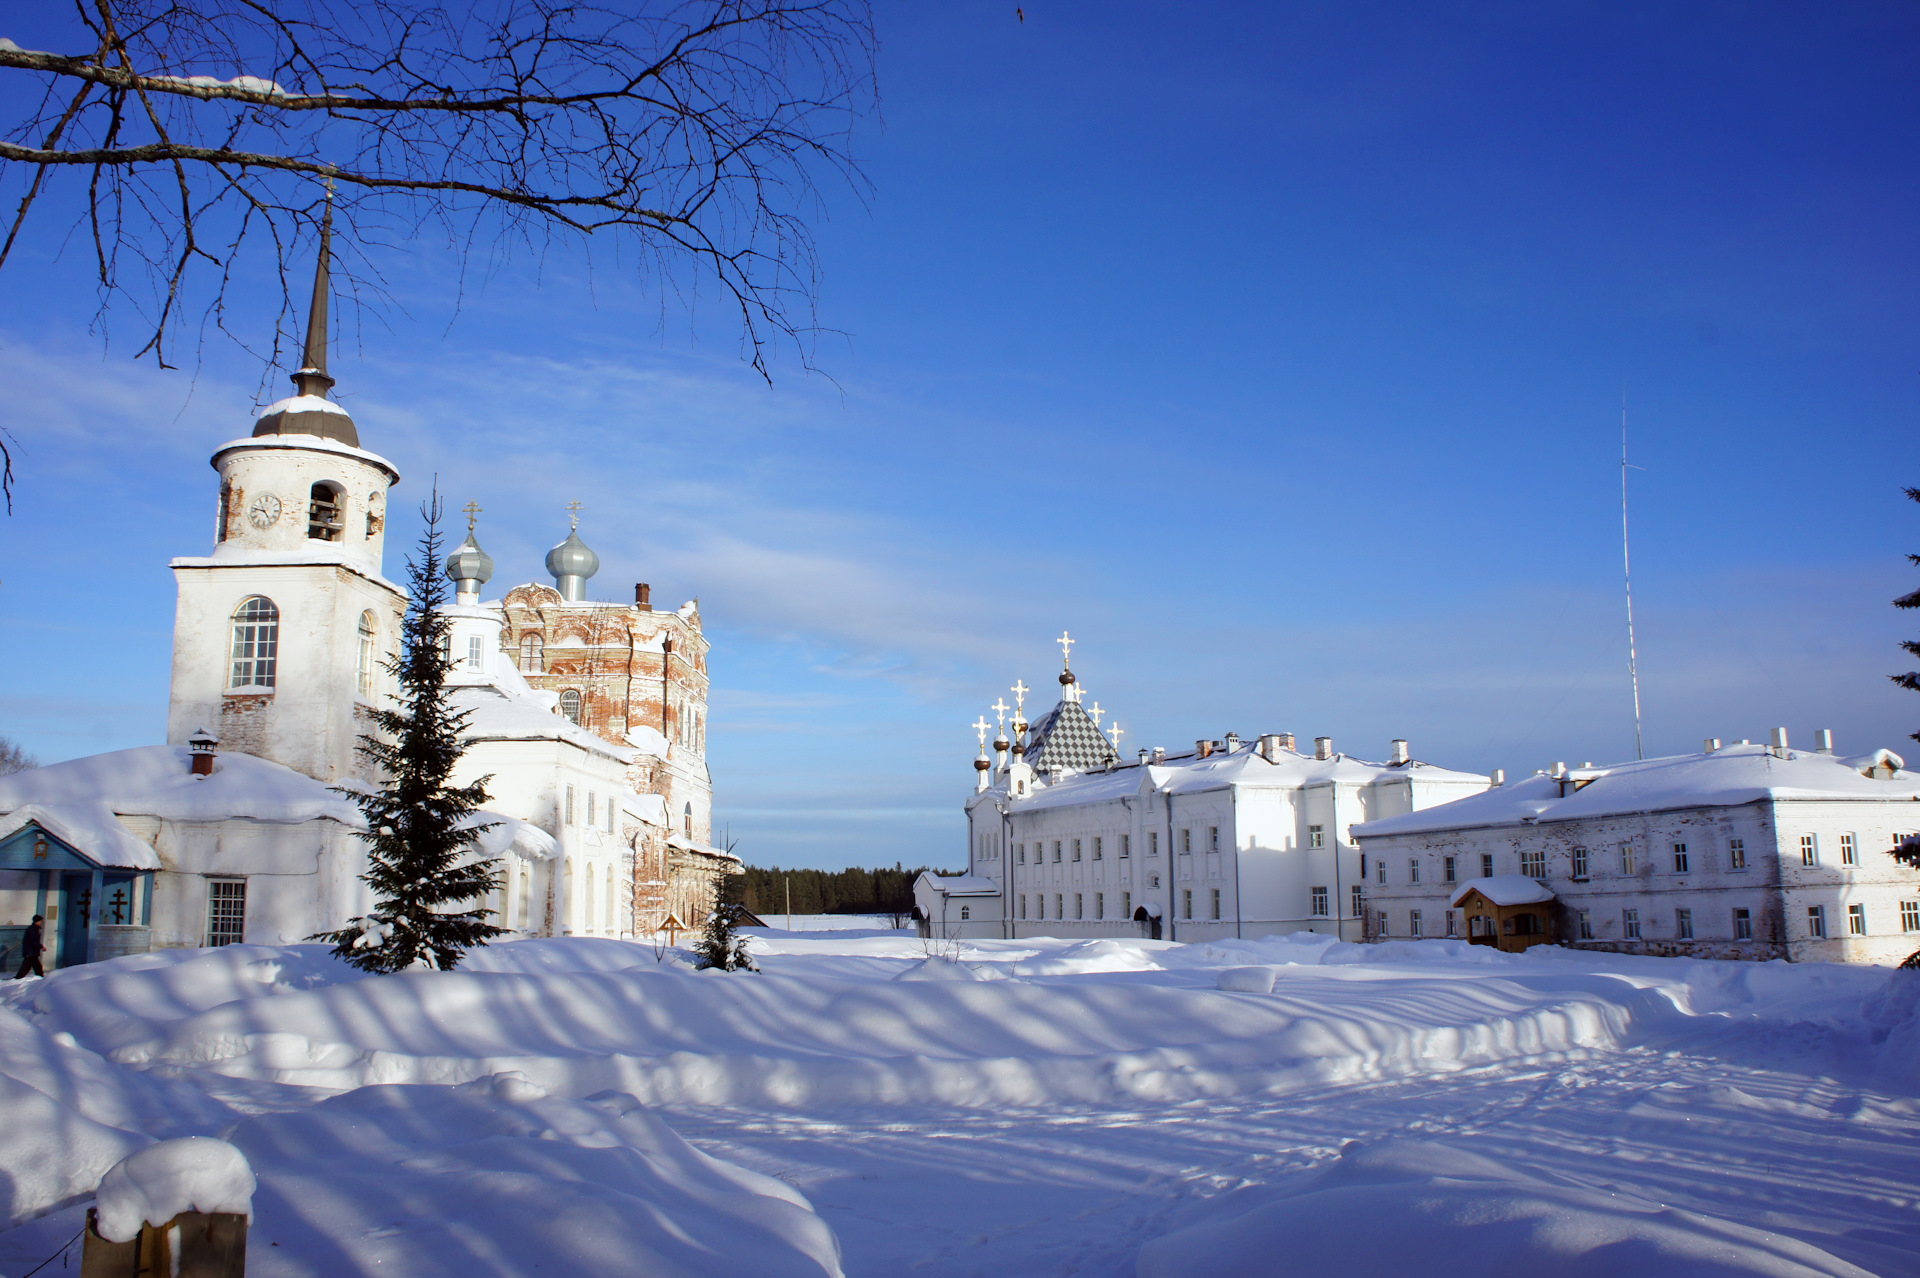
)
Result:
{"points": [[1499, 777], [1233, 742], [1710, 745], [1286, 741], [1143, 756], [1559, 772], [1823, 741], [1400, 754], [1269, 747], [201, 743], [1159, 754], [1323, 748], [1202, 748], [643, 596], [1780, 743]]}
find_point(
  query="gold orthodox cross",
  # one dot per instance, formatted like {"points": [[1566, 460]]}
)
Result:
{"points": [[981, 728], [573, 512], [472, 510], [999, 709], [1095, 713], [1066, 642]]}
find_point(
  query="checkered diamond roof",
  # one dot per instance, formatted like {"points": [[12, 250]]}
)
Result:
{"points": [[1064, 737]]}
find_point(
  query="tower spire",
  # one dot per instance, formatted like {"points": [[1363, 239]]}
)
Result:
{"points": [[312, 379]]}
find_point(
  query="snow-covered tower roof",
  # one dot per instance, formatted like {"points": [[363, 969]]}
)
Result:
{"points": [[572, 562], [1066, 738], [309, 411]]}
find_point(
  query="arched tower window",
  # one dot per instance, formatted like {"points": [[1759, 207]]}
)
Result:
{"points": [[531, 654], [365, 663], [226, 510], [570, 705], [256, 644], [326, 512], [689, 820]]}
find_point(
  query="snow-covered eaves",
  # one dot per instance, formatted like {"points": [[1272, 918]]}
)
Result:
{"points": [[318, 554], [1505, 889], [494, 715], [705, 849], [959, 884], [648, 809], [1727, 777], [1241, 767], [505, 835], [307, 443], [90, 829], [158, 781]]}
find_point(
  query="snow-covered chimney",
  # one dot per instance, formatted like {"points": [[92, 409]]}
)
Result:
{"points": [[201, 743], [1323, 748], [1269, 746], [1159, 754], [1400, 753], [643, 596], [1499, 776], [1710, 745], [1780, 743], [1559, 771], [1144, 756], [1233, 742], [1823, 741], [1202, 748]]}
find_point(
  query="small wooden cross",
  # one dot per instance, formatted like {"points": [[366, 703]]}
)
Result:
{"points": [[472, 510], [573, 512]]}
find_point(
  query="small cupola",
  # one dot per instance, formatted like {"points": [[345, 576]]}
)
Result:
{"points": [[200, 745], [572, 562], [470, 567]]}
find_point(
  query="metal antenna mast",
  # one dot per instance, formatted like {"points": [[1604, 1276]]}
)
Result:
{"points": [[1626, 565]]}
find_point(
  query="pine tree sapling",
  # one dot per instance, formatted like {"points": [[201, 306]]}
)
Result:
{"points": [[421, 832], [1908, 852], [721, 945]]}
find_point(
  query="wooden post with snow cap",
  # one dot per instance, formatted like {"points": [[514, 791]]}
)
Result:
{"points": [[176, 1209]]}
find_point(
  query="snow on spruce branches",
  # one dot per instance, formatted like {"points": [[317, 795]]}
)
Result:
{"points": [[421, 831]]}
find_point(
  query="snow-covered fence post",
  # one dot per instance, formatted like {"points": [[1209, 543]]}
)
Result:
{"points": [[179, 1207]]}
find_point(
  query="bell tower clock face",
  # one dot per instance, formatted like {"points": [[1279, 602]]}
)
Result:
{"points": [[264, 511]]}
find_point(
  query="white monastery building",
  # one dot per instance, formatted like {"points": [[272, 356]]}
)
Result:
{"points": [[1236, 838], [589, 717], [1739, 851]]}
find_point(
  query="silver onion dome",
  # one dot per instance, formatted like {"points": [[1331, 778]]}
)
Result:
{"points": [[469, 567], [571, 563]]}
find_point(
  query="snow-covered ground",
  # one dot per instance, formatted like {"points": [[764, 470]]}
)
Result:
{"points": [[1036, 1107]]}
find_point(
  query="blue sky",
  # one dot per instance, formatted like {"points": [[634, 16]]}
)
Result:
{"points": [[1276, 351]]}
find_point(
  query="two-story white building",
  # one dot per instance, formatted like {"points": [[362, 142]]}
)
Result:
{"points": [[1739, 851], [1235, 838]]}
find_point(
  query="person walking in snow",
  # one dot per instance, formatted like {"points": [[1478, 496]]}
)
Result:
{"points": [[30, 950]]}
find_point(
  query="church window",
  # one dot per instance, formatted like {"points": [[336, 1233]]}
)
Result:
{"points": [[226, 911], [1019, 854], [569, 820], [1216, 903], [609, 814], [592, 799], [1126, 905], [1099, 905], [570, 705], [1076, 849], [1319, 896], [1023, 905], [966, 913], [1316, 836], [1126, 846], [1096, 847], [1153, 843], [1186, 903], [688, 816], [1079, 905], [324, 509], [1056, 851], [363, 665], [1213, 838], [475, 652], [1186, 842], [256, 644], [1059, 905], [1413, 869], [1357, 897], [532, 654], [586, 915]]}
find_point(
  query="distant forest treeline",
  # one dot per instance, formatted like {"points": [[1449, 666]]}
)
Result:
{"points": [[850, 891]]}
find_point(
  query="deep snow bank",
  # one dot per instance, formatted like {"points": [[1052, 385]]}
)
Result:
{"points": [[1402, 1207]]}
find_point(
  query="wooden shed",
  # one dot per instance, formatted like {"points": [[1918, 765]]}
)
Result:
{"points": [[1509, 911]]}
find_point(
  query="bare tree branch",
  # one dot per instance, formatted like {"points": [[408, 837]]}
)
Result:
{"points": [[693, 132]]}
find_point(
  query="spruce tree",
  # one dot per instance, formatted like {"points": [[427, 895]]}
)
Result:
{"points": [[721, 945], [1908, 851], [421, 837]]}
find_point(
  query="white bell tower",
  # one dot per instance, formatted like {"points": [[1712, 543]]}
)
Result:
{"points": [[280, 634]]}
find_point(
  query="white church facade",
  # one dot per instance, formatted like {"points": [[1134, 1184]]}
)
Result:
{"points": [[234, 831], [1233, 839]]}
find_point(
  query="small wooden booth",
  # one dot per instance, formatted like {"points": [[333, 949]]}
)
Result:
{"points": [[1508, 911]]}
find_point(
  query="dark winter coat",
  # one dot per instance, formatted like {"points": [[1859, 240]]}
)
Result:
{"points": [[31, 946]]}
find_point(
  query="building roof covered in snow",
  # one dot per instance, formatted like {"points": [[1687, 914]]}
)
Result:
{"points": [[1065, 737], [1505, 889], [959, 884], [158, 781], [1725, 777]]}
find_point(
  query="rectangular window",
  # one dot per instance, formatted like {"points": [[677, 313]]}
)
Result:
{"points": [[1736, 854], [1056, 851], [1448, 869], [1098, 847], [1126, 905], [1910, 916], [1679, 858], [1356, 901], [609, 814], [1076, 849], [1079, 905], [1153, 843], [1683, 925], [1856, 920], [1817, 922], [569, 805], [1413, 869], [1486, 865], [1380, 871], [1186, 903], [1019, 854], [1742, 924], [1579, 863], [1626, 858], [1586, 925], [1809, 850], [1023, 905], [1186, 841], [226, 911], [1630, 924], [1316, 836], [1384, 929], [591, 819], [1126, 846], [1413, 923], [1533, 863], [1318, 897], [1452, 928], [1099, 905], [1059, 905], [473, 652], [1216, 903], [1213, 838], [1847, 854]]}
